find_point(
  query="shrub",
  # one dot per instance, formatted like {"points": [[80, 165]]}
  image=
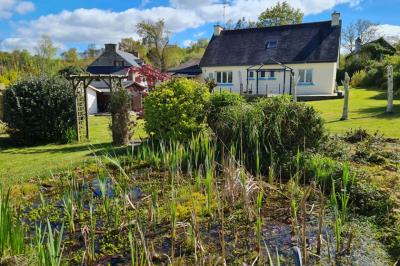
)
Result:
{"points": [[39, 109], [274, 128], [176, 109], [220, 100], [358, 78]]}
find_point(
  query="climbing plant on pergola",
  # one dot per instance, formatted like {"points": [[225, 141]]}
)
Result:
{"points": [[80, 83]]}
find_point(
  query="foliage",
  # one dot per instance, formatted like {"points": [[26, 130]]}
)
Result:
{"points": [[274, 127], [39, 109], [70, 56], [176, 109], [218, 101], [155, 37], [211, 84], [70, 70], [122, 125], [11, 234], [358, 78], [280, 14]]}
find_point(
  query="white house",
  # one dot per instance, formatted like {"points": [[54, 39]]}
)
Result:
{"points": [[260, 61]]}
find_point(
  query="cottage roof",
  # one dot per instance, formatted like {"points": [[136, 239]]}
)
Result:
{"points": [[298, 43], [189, 68]]}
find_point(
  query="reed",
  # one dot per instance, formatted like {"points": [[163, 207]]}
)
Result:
{"points": [[259, 220], [69, 210], [49, 246], [12, 235], [138, 256]]}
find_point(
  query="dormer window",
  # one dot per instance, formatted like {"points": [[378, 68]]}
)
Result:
{"points": [[271, 44]]}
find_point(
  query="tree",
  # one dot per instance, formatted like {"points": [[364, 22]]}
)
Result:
{"points": [[71, 56], [363, 29], [45, 48], [280, 14], [245, 24], [156, 37], [132, 46]]}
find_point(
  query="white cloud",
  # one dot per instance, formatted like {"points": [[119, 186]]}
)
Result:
{"points": [[8, 7], [390, 32], [25, 7], [199, 34], [102, 26]]}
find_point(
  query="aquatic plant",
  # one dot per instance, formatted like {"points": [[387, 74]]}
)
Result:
{"points": [[259, 220], [48, 245], [12, 234]]}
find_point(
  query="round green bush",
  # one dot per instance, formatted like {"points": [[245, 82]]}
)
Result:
{"points": [[39, 109], [176, 109]]}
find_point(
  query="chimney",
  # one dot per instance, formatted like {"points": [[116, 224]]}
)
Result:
{"points": [[217, 30], [111, 47], [335, 19], [358, 45]]}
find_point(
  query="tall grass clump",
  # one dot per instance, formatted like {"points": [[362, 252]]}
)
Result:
{"points": [[274, 127], [48, 244], [12, 234]]}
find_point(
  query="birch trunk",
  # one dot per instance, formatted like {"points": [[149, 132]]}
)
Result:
{"points": [[346, 83]]}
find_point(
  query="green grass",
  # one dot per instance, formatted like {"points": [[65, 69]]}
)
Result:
{"points": [[366, 110], [18, 164]]}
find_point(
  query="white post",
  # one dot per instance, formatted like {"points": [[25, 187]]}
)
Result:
{"points": [[294, 87], [346, 83], [389, 108]]}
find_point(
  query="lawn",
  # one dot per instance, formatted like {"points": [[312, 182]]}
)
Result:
{"points": [[366, 110], [17, 164]]}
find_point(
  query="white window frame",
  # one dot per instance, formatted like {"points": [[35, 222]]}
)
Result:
{"points": [[224, 77], [304, 77]]}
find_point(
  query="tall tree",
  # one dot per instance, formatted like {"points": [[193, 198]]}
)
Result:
{"points": [[45, 48], [156, 38], [280, 14], [132, 46], [71, 56], [363, 29]]}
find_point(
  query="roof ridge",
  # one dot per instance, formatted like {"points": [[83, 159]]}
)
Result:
{"points": [[278, 26]]}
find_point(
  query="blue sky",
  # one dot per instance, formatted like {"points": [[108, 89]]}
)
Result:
{"points": [[77, 23]]}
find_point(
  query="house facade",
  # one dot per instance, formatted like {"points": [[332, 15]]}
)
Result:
{"points": [[263, 61]]}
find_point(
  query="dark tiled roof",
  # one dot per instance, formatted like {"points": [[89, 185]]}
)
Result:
{"points": [[130, 58], [190, 68], [299, 43]]}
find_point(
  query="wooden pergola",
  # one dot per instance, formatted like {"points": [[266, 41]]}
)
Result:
{"points": [[80, 83]]}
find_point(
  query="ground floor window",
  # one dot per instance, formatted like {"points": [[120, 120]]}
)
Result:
{"points": [[306, 75], [225, 77]]}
